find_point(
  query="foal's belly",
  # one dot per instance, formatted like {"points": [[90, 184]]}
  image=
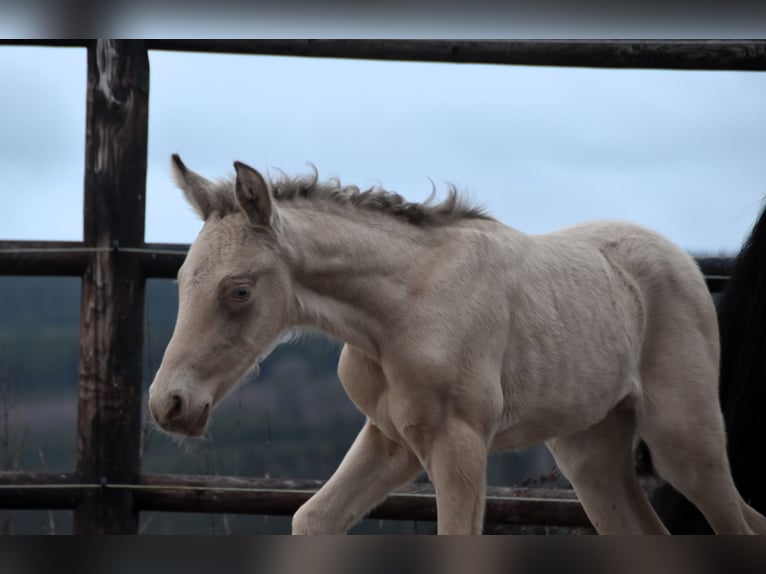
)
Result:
{"points": [[534, 432], [563, 405], [564, 372]]}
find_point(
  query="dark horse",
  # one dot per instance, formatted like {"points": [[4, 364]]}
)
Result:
{"points": [[742, 324]]}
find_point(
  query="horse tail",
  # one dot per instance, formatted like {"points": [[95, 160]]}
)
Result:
{"points": [[742, 324]]}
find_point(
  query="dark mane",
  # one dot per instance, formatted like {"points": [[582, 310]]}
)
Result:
{"points": [[430, 212]]}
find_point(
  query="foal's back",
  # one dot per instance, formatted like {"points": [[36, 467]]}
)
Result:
{"points": [[585, 304]]}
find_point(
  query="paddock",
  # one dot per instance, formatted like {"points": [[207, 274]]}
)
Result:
{"points": [[107, 489]]}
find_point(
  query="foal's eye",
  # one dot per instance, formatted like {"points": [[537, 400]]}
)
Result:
{"points": [[239, 294]]}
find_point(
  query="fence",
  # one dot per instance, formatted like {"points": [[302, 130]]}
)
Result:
{"points": [[107, 490]]}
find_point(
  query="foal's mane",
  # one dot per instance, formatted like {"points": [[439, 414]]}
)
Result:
{"points": [[451, 209]]}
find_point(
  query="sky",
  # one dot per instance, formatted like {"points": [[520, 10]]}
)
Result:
{"points": [[541, 148]]}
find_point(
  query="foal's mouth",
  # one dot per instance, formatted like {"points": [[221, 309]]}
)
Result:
{"points": [[194, 427]]}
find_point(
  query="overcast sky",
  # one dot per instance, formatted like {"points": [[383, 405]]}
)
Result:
{"points": [[541, 148]]}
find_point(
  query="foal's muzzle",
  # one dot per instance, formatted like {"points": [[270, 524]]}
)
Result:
{"points": [[176, 412]]}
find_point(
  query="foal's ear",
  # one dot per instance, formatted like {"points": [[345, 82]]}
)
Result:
{"points": [[197, 189], [254, 195]]}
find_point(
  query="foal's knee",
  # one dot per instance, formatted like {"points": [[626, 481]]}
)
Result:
{"points": [[305, 520], [310, 518]]}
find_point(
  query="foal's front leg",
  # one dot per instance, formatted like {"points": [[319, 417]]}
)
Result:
{"points": [[373, 466], [455, 457]]}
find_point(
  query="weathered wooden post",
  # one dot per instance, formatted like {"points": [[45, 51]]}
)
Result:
{"points": [[112, 304]]}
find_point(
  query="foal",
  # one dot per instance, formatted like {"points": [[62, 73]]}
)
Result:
{"points": [[462, 337]]}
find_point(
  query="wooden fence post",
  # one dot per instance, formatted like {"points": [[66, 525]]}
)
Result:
{"points": [[112, 304]]}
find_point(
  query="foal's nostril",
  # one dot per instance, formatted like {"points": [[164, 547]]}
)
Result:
{"points": [[175, 407]]}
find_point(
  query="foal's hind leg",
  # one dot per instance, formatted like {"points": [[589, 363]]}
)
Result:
{"points": [[689, 451], [599, 464], [680, 419]]}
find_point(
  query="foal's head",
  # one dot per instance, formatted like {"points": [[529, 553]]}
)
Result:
{"points": [[233, 291]]}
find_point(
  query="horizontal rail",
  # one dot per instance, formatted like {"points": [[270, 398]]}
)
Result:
{"points": [[41, 490], [716, 271], [69, 258], [230, 495], [666, 54], [657, 54], [162, 260]]}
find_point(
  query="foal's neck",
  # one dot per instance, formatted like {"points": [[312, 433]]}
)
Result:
{"points": [[352, 272]]}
